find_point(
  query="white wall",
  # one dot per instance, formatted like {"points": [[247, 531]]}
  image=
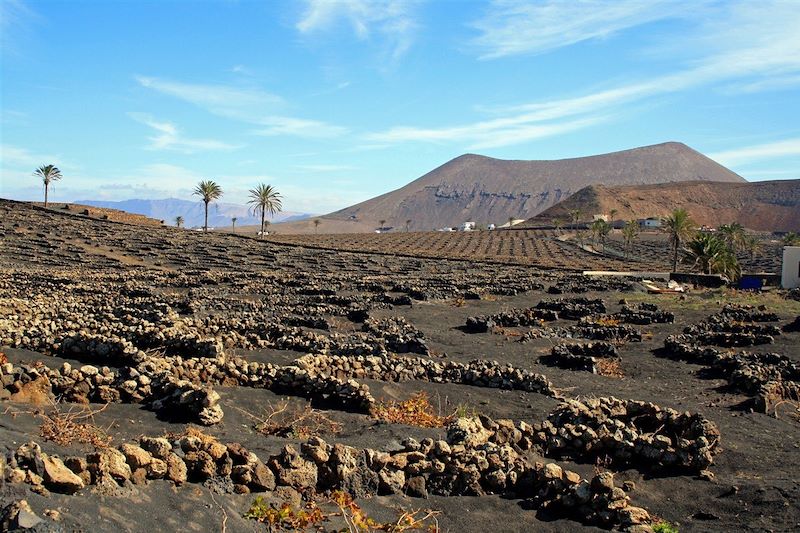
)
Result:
{"points": [[790, 277]]}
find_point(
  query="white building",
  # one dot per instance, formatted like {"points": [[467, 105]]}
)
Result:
{"points": [[650, 223], [790, 276], [467, 226]]}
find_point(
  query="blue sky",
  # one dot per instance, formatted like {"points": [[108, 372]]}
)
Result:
{"points": [[334, 102]]}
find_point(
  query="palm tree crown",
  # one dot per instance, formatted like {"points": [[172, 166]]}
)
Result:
{"points": [[209, 191], [48, 174], [265, 199]]}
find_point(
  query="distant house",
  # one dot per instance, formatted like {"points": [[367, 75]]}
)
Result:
{"points": [[650, 223], [467, 226]]}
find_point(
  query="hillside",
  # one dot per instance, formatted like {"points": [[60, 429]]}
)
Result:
{"points": [[219, 213], [763, 206], [484, 190]]}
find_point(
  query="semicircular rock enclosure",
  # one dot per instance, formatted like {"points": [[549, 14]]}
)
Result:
{"points": [[159, 378]]}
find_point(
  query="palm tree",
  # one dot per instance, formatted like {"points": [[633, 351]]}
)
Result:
{"points": [[179, 221], [712, 255], [48, 174], [316, 224], [575, 214], [510, 221], [629, 233], [383, 224], [680, 228], [611, 214], [233, 224], [408, 224], [733, 234], [558, 224], [600, 229], [265, 199], [208, 191], [751, 245]]}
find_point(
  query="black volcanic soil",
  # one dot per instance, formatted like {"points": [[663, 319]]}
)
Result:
{"points": [[757, 475]]}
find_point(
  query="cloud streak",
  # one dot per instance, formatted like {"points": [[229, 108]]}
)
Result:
{"points": [[252, 106], [168, 137], [759, 152], [514, 27], [391, 20]]}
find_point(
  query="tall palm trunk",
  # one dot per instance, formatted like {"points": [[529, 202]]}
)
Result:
{"points": [[45, 195], [263, 209], [205, 224], [675, 246]]}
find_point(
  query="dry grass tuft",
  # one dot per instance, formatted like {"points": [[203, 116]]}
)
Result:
{"points": [[74, 425], [287, 420], [415, 411], [609, 367]]}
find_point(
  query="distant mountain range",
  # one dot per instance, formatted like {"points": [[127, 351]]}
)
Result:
{"points": [[486, 190], [219, 213], [761, 205]]}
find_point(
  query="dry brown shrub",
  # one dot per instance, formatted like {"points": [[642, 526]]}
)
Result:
{"points": [[415, 411], [609, 367], [506, 332], [76, 424], [287, 420], [3, 358]]}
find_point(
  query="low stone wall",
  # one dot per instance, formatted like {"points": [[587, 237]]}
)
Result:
{"points": [[476, 459]]}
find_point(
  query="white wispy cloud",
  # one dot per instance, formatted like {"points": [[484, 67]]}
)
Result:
{"points": [[248, 105], [169, 137], [391, 20], [485, 134], [513, 27], [224, 100], [298, 127], [759, 152], [735, 51]]}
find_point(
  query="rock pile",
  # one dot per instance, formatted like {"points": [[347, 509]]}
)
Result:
{"points": [[582, 356], [513, 318], [643, 314], [630, 433], [573, 308]]}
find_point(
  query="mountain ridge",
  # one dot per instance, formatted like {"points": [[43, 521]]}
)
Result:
{"points": [[760, 205], [166, 209], [473, 187]]}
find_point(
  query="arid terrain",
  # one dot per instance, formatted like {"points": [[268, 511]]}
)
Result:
{"points": [[164, 379]]}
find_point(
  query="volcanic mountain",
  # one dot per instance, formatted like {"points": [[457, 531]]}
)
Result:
{"points": [[486, 190], [762, 205]]}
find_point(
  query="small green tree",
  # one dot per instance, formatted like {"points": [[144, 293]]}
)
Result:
{"points": [[600, 230], [316, 224], [791, 239], [383, 224], [712, 255], [233, 224], [48, 174], [179, 221], [408, 224]]}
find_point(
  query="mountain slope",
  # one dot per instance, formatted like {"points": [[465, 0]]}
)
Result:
{"points": [[762, 205], [484, 190], [219, 213]]}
